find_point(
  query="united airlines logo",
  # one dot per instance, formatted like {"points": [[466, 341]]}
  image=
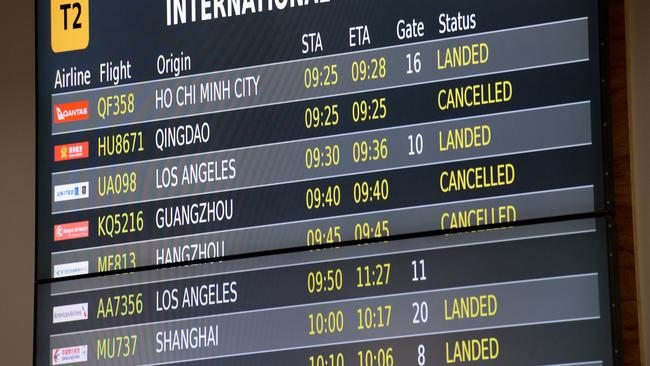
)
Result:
{"points": [[69, 192]]}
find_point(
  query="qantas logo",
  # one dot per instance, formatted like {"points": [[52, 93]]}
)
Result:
{"points": [[70, 112], [71, 151]]}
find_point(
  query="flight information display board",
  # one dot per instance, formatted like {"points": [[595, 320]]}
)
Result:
{"points": [[182, 130], [453, 153]]}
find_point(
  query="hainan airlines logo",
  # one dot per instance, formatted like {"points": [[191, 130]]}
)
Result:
{"points": [[71, 151], [70, 112], [70, 25], [62, 356]]}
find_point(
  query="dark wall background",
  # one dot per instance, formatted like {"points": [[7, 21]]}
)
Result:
{"points": [[618, 70], [16, 181], [638, 29]]}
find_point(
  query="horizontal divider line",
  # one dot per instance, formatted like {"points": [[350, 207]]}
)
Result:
{"points": [[302, 248], [343, 259]]}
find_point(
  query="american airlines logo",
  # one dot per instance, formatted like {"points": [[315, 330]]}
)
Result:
{"points": [[62, 356], [69, 313], [70, 112]]}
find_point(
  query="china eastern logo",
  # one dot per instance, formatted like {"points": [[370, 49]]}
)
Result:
{"points": [[70, 21], [62, 356], [71, 112]]}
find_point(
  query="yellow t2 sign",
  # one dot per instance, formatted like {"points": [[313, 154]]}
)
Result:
{"points": [[70, 25]]}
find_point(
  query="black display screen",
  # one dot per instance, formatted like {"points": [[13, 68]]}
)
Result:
{"points": [[173, 132]]}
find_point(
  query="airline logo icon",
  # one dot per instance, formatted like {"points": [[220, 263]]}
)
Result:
{"points": [[74, 230], [71, 151], [63, 356], [70, 269], [71, 112], [69, 313], [69, 192]]}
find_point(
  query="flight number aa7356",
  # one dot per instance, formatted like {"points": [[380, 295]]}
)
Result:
{"points": [[120, 306]]}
